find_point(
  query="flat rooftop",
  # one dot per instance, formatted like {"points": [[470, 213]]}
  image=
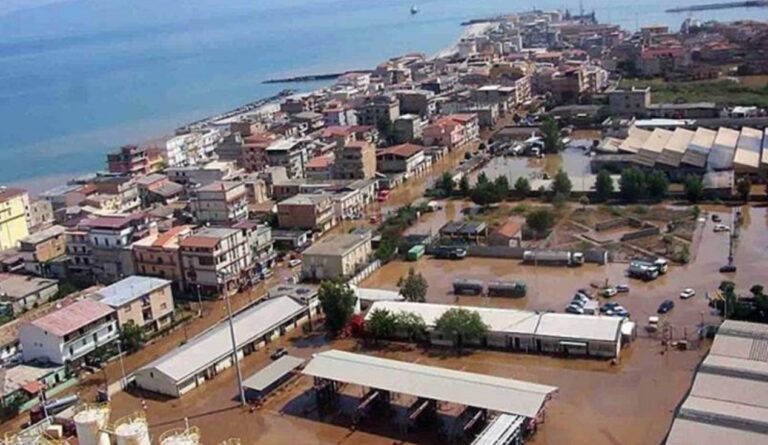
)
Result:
{"points": [[337, 245], [129, 289], [477, 390], [16, 286]]}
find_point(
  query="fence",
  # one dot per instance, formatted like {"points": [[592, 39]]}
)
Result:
{"points": [[365, 273], [650, 231]]}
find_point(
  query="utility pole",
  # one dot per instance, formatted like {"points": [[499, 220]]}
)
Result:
{"points": [[240, 389], [122, 365]]}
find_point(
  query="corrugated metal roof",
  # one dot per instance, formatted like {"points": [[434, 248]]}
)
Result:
{"points": [[635, 140], [215, 344], [272, 372], [687, 432], [656, 141], [72, 317], [584, 327], [476, 390], [721, 155], [748, 148], [679, 140], [129, 289]]}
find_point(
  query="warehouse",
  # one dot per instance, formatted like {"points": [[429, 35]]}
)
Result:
{"points": [[698, 150], [208, 354], [728, 402], [596, 336], [723, 149], [747, 157]]}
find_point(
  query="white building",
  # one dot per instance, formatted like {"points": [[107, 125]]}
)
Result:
{"points": [[203, 357], [67, 335]]}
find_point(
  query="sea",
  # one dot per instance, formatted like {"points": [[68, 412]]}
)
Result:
{"points": [[79, 78]]}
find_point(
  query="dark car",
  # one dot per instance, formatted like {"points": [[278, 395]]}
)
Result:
{"points": [[716, 218], [728, 268], [279, 352], [666, 306]]}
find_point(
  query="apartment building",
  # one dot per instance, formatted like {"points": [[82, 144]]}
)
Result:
{"points": [[39, 214], [406, 158], [356, 160], [220, 203], [261, 247], [408, 128], [290, 153], [106, 242], [338, 256], [40, 249], [158, 255], [22, 293], [13, 220], [216, 260], [307, 211], [68, 335], [146, 302], [377, 110], [123, 190], [129, 160]]}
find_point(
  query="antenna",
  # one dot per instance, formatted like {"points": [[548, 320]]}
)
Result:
{"points": [[581, 10]]}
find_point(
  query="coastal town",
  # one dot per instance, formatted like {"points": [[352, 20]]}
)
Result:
{"points": [[552, 232]]}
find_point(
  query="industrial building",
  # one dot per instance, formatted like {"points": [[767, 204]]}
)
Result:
{"points": [[206, 355], [728, 402], [586, 335], [478, 393]]}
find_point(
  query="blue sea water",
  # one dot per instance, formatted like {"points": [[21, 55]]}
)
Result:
{"points": [[81, 77]]}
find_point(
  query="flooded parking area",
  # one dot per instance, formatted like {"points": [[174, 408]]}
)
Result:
{"points": [[632, 402]]}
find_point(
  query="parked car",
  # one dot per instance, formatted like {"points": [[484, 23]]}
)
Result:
{"points": [[687, 293], [620, 311], [573, 309], [294, 262], [623, 288], [716, 218], [728, 268], [279, 352], [585, 291], [721, 228], [581, 297], [665, 306], [609, 292], [608, 308]]}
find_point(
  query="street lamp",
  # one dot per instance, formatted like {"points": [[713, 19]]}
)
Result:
{"points": [[241, 391]]}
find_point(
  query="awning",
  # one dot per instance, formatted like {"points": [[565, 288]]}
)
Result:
{"points": [[272, 373]]}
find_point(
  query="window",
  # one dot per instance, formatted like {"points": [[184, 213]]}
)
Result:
{"points": [[110, 328], [164, 306]]}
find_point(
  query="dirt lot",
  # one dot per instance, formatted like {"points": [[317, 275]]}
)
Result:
{"points": [[631, 403]]}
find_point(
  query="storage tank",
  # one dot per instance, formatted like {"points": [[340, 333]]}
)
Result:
{"points": [[90, 421], [132, 430], [181, 436]]}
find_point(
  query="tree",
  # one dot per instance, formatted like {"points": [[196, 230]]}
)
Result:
{"points": [[132, 337], [464, 186], [462, 325], [561, 184], [540, 220], [632, 184], [657, 185], [502, 186], [338, 302], [694, 188], [744, 188], [445, 184], [482, 178], [381, 324], [411, 325], [553, 143], [485, 193], [584, 201], [603, 185], [413, 287], [522, 186]]}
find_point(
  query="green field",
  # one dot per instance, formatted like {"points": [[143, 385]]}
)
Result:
{"points": [[722, 92]]}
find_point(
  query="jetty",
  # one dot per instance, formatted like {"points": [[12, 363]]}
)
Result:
{"points": [[722, 5], [313, 77]]}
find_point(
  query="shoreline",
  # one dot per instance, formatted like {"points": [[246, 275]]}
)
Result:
{"points": [[38, 184]]}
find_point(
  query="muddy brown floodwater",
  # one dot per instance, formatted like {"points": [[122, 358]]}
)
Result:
{"points": [[631, 403]]}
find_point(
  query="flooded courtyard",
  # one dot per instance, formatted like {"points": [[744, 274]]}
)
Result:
{"points": [[632, 402]]}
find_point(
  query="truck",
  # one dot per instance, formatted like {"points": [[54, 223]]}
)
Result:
{"points": [[553, 258], [648, 270], [514, 289], [451, 252], [467, 286], [416, 252]]}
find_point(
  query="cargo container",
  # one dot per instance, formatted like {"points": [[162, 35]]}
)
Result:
{"points": [[465, 286], [514, 289], [416, 252], [553, 258]]}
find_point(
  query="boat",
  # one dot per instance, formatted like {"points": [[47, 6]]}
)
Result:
{"points": [[414, 10]]}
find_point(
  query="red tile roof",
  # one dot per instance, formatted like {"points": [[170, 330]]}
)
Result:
{"points": [[10, 192], [163, 238], [404, 150], [320, 162], [73, 317], [200, 242], [110, 222], [337, 130], [462, 117], [509, 229]]}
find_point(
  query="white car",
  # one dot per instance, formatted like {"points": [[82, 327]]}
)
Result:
{"points": [[687, 293], [294, 262], [721, 228], [610, 292]]}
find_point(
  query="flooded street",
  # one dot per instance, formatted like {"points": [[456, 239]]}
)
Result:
{"points": [[597, 403]]}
